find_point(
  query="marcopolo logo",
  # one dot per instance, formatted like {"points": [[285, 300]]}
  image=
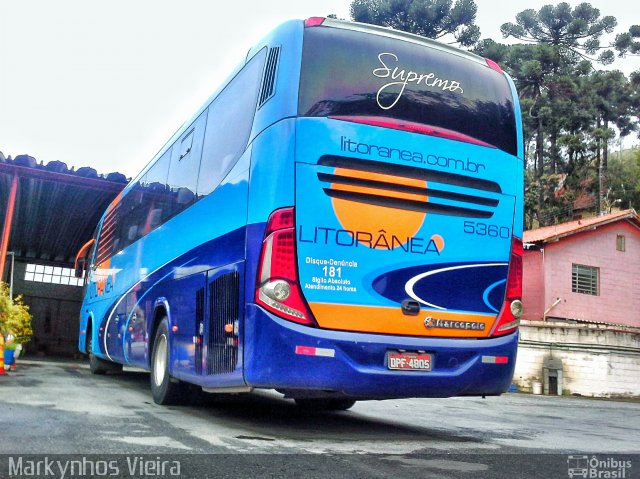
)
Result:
{"points": [[597, 467], [431, 323]]}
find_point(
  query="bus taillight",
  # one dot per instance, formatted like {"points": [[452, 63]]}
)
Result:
{"points": [[509, 317], [278, 289]]}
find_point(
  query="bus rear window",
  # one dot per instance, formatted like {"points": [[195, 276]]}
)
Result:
{"points": [[350, 73]]}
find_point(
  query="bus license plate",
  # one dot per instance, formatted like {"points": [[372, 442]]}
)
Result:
{"points": [[409, 361]]}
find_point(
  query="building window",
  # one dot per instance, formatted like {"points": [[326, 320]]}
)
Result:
{"points": [[585, 279], [620, 246], [51, 274]]}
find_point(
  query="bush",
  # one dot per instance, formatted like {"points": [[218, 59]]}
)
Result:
{"points": [[14, 317]]}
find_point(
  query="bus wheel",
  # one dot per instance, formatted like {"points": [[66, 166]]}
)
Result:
{"points": [[325, 404], [165, 389], [98, 365]]}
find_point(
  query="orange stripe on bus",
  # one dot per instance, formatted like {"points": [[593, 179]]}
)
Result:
{"points": [[388, 320], [368, 175], [380, 192]]}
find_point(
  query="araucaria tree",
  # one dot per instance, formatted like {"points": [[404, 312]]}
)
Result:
{"points": [[569, 109], [429, 18]]}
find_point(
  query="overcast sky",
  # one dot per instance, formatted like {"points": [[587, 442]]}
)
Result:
{"points": [[106, 83]]}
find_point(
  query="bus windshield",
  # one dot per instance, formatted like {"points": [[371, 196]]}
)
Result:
{"points": [[347, 73]]}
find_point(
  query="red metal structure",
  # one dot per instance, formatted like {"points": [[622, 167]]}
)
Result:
{"points": [[8, 220]]}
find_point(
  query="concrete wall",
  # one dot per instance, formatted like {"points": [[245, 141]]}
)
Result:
{"points": [[56, 314], [598, 360], [618, 301]]}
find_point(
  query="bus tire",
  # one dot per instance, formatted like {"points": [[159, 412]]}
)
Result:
{"points": [[97, 365], [325, 404], [165, 389]]}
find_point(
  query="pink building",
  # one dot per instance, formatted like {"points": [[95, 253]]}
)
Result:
{"points": [[585, 270]]}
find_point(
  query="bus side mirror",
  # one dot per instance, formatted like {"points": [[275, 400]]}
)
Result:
{"points": [[79, 269], [81, 258]]}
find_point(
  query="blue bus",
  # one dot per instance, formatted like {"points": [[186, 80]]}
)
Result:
{"points": [[341, 221]]}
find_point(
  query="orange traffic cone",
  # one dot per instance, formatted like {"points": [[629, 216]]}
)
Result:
{"points": [[2, 371]]}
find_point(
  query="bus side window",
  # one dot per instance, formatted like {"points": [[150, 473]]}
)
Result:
{"points": [[132, 234], [127, 218], [155, 218], [185, 163], [157, 192], [229, 125]]}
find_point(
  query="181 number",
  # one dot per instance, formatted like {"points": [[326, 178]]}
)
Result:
{"points": [[332, 271], [484, 229]]}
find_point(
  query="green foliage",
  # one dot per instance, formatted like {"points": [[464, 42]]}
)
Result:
{"points": [[573, 31], [623, 181], [547, 200], [14, 316], [429, 18], [628, 42], [569, 110]]}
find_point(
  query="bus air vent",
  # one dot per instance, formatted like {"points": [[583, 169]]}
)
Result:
{"points": [[269, 78], [409, 188], [199, 324], [224, 309]]}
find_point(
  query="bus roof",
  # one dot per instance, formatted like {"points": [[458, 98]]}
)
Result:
{"points": [[400, 35]]}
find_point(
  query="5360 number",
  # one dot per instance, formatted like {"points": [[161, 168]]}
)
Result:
{"points": [[484, 229]]}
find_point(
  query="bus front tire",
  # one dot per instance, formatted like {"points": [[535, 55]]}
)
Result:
{"points": [[165, 389], [325, 404], [100, 366]]}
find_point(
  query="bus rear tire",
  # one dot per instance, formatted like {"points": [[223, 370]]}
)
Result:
{"points": [[165, 389], [325, 404]]}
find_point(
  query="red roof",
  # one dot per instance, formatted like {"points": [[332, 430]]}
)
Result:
{"points": [[583, 201], [556, 232]]}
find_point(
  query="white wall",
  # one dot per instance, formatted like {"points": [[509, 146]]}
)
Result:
{"points": [[598, 360]]}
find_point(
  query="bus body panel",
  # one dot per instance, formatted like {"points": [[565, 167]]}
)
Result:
{"points": [[354, 364], [272, 179], [518, 180], [123, 312], [288, 40], [186, 265], [359, 261]]}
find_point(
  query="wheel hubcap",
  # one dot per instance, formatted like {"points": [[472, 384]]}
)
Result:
{"points": [[160, 363]]}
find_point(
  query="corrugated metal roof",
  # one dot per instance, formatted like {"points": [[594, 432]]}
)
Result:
{"points": [[555, 232], [56, 209]]}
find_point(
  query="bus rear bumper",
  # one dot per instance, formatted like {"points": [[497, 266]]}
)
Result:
{"points": [[310, 362]]}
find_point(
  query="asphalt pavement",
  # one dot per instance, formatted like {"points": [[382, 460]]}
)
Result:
{"points": [[58, 410]]}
